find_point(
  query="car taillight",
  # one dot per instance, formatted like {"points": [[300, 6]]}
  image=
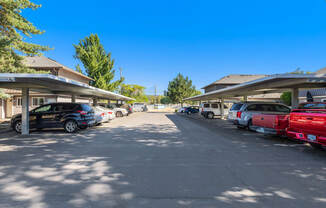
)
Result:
{"points": [[82, 112], [239, 114], [102, 114], [109, 112]]}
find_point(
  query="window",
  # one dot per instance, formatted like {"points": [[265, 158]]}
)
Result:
{"points": [[312, 106], [281, 108], [206, 105], [43, 109], [214, 105], [252, 108], [38, 101], [236, 106], [19, 101]]}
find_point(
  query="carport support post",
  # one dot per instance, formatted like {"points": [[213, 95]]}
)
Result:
{"points": [[245, 98], [94, 101], [25, 111], [222, 108], [73, 98], [295, 98]]}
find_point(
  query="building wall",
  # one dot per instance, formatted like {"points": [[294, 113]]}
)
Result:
{"points": [[1, 109], [66, 99], [72, 76]]}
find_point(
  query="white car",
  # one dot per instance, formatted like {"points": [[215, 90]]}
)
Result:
{"points": [[209, 110], [139, 107], [108, 112], [119, 112], [100, 116]]}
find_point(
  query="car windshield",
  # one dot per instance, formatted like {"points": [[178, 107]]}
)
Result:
{"points": [[236, 106]]}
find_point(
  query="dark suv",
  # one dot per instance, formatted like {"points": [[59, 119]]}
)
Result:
{"points": [[70, 116]]}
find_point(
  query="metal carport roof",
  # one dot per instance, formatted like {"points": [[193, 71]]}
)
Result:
{"points": [[56, 85], [270, 84]]}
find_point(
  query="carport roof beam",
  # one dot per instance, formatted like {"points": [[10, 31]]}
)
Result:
{"points": [[57, 85]]}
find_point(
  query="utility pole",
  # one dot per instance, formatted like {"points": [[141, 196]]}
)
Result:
{"points": [[155, 100]]}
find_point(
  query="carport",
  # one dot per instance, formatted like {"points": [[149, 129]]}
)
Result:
{"points": [[47, 83], [271, 84]]}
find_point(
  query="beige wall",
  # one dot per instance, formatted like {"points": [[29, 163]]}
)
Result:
{"points": [[2, 114], [72, 76]]}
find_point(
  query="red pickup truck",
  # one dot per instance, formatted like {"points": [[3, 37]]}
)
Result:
{"points": [[274, 124], [309, 125]]}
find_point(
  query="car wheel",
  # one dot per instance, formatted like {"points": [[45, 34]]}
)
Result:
{"points": [[18, 126], [210, 115], [250, 125], [70, 126], [119, 114], [316, 146], [188, 112]]}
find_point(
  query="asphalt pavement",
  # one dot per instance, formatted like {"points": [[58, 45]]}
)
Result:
{"points": [[161, 160]]}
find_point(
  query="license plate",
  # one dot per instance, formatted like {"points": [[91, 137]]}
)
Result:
{"points": [[311, 137], [260, 130]]}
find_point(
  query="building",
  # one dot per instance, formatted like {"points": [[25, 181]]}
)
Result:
{"points": [[12, 105], [235, 79]]}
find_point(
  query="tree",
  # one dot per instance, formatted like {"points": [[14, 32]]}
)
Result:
{"points": [[97, 63], [14, 28], [286, 98], [165, 100], [134, 91], [180, 88]]}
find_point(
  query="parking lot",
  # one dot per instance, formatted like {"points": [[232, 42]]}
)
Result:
{"points": [[159, 160]]}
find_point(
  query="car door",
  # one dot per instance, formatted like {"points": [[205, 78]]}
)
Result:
{"points": [[44, 116]]}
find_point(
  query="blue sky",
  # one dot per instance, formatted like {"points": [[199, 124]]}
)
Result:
{"points": [[154, 40]]}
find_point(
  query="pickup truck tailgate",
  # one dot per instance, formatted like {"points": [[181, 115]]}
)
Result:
{"points": [[263, 120]]}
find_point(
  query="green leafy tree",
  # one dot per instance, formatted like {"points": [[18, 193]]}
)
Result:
{"points": [[180, 88], [14, 29], [286, 98], [165, 100], [134, 91], [97, 63]]}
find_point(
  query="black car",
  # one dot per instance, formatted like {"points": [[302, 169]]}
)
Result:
{"points": [[69, 116], [191, 110]]}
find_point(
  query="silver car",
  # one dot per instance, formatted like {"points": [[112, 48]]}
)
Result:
{"points": [[241, 113]]}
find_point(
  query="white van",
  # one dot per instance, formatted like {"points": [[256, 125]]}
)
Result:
{"points": [[210, 110]]}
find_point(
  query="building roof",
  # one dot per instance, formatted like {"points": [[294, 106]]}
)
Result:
{"points": [[236, 79], [321, 71], [270, 84], [45, 62]]}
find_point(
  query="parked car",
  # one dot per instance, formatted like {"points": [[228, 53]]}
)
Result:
{"points": [[119, 112], [210, 110], [308, 124], [103, 114], [181, 110], [274, 122], [248, 109], [191, 110], [69, 116], [139, 107], [232, 115]]}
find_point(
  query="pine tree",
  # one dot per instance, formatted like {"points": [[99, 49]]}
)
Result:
{"points": [[14, 28], [180, 88], [97, 63]]}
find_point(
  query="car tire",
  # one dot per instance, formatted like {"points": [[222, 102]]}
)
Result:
{"points": [[70, 126], [210, 115], [119, 114], [316, 146], [249, 126], [18, 126], [241, 127]]}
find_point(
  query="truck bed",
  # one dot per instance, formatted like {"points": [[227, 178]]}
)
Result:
{"points": [[271, 123]]}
